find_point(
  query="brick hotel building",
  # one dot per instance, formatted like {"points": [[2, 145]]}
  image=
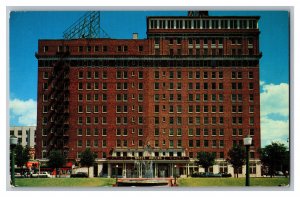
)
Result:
{"points": [[191, 86]]}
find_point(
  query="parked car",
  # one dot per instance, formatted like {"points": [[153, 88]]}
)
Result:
{"points": [[79, 175], [19, 175], [41, 175], [224, 174], [279, 173]]}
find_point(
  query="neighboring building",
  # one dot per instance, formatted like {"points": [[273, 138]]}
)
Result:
{"points": [[191, 86], [25, 134]]}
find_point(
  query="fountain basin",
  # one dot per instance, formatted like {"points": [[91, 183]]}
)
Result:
{"points": [[143, 182]]}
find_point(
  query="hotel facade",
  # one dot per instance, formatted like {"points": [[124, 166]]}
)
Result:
{"points": [[191, 86]]}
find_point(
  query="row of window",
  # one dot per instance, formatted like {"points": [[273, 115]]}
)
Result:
{"points": [[171, 86], [207, 41], [157, 132], [172, 120], [202, 24], [19, 132], [197, 120], [119, 120], [209, 51], [161, 97], [197, 97], [171, 132], [158, 74], [171, 74], [157, 143]]}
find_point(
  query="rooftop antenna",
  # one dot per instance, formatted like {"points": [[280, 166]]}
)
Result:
{"points": [[88, 26]]}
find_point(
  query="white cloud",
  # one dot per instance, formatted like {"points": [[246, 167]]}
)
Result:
{"points": [[274, 131], [261, 83], [274, 101], [23, 111]]}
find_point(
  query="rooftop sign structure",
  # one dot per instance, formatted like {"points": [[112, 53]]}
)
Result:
{"points": [[88, 26]]}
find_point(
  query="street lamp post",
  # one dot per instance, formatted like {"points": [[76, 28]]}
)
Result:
{"points": [[13, 142], [175, 175], [247, 143], [117, 174]]}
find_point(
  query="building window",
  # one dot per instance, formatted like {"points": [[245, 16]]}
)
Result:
{"points": [[45, 75], [119, 74], [104, 74], [206, 143], [45, 86], [140, 120], [251, 86], [220, 75], [46, 48], [141, 48], [104, 97], [104, 131], [190, 98], [213, 97], [190, 109], [79, 143], [103, 143], [140, 86], [95, 143], [89, 49], [178, 74], [251, 120], [179, 86], [250, 75], [191, 143], [140, 143], [140, 75], [251, 97], [104, 120], [156, 97], [221, 143], [88, 143]]}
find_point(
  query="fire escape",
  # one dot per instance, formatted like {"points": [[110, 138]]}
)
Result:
{"points": [[58, 116]]}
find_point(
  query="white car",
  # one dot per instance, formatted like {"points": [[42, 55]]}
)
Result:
{"points": [[41, 175]]}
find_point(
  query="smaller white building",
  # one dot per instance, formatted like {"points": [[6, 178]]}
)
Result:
{"points": [[25, 134]]}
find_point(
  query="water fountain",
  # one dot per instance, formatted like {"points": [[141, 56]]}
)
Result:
{"points": [[143, 173]]}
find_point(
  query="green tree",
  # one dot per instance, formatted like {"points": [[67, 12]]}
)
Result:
{"points": [[205, 159], [22, 156], [236, 157], [56, 160], [274, 156], [87, 159]]}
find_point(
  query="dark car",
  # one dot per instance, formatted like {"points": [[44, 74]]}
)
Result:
{"points": [[79, 175]]}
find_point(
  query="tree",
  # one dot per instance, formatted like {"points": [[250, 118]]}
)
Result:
{"points": [[87, 159], [56, 160], [206, 160], [275, 157], [236, 157], [22, 156]]}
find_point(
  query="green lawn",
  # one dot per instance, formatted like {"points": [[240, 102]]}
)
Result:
{"points": [[183, 182], [231, 182], [64, 182]]}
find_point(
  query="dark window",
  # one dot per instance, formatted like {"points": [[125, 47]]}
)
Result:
{"points": [[105, 48], [141, 48], [191, 143]]}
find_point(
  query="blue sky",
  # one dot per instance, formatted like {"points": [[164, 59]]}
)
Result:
{"points": [[25, 28]]}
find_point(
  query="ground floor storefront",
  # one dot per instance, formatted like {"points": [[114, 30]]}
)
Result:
{"points": [[151, 168]]}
